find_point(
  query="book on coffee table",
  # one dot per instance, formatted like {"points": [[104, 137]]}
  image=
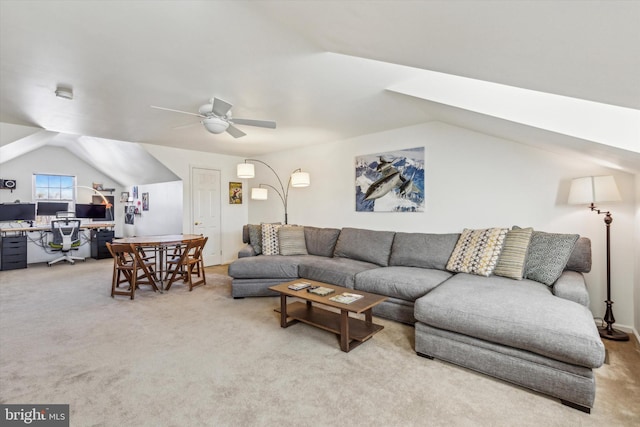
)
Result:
{"points": [[299, 285], [320, 290], [346, 298]]}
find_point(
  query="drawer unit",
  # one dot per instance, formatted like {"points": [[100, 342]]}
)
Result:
{"points": [[99, 239], [13, 252]]}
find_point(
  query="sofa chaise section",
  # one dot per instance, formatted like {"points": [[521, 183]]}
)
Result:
{"points": [[519, 331]]}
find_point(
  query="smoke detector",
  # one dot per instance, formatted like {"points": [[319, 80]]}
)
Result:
{"points": [[63, 92]]}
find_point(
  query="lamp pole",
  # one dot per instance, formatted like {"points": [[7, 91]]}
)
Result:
{"points": [[608, 331]]}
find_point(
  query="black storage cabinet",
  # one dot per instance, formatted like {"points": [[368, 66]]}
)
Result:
{"points": [[99, 239], [13, 252]]}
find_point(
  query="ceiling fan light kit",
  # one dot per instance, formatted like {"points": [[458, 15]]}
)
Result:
{"points": [[215, 125], [216, 118]]}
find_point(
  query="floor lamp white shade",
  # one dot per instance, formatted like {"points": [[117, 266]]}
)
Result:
{"points": [[245, 170], [300, 179], [593, 189], [259, 193]]}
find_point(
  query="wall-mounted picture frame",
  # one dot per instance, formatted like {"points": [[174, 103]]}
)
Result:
{"points": [[392, 181], [145, 201], [129, 214], [124, 196], [235, 193]]}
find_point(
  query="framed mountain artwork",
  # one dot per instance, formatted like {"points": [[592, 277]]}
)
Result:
{"points": [[390, 182]]}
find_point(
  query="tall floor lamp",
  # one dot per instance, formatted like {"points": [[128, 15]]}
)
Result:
{"points": [[591, 190], [296, 179]]}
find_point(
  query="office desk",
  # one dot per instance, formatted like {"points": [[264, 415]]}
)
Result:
{"points": [[159, 244], [15, 240], [22, 230]]}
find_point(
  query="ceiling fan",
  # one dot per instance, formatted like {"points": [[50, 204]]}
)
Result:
{"points": [[216, 118]]}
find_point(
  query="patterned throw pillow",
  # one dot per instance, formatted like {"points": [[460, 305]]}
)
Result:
{"points": [[514, 253], [270, 243], [477, 251], [291, 240], [548, 255], [255, 237]]}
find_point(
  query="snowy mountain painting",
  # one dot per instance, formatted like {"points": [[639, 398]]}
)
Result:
{"points": [[391, 181]]}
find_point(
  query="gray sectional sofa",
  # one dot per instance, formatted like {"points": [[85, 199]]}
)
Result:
{"points": [[529, 333]]}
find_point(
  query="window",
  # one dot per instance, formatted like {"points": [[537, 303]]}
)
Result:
{"points": [[54, 187]]}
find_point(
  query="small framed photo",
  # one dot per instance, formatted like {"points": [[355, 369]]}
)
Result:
{"points": [[235, 193], [124, 196], [145, 201]]}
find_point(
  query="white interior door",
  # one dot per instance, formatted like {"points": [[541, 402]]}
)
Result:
{"points": [[206, 208]]}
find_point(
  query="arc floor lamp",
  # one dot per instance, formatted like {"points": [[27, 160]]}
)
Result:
{"points": [[296, 179], [590, 190]]}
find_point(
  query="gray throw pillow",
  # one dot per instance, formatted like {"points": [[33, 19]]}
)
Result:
{"points": [[548, 255], [292, 241], [255, 237]]}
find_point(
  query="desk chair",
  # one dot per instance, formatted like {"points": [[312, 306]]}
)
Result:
{"points": [[66, 238]]}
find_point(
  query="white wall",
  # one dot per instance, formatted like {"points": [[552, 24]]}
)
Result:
{"points": [[165, 210], [636, 283], [59, 161], [472, 180], [233, 217]]}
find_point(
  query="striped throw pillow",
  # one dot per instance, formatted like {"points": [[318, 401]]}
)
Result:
{"points": [[514, 253], [292, 240]]}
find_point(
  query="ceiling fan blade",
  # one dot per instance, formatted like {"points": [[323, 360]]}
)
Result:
{"points": [[220, 107], [260, 123], [177, 111], [187, 125], [235, 132]]}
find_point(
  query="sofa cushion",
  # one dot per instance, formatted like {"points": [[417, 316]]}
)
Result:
{"points": [[477, 251], [548, 255], [525, 316], [270, 242], [580, 259], [365, 245], [291, 240], [262, 266], [336, 271], [422, 250], [514, 253], [405, 283], [321, 241]]}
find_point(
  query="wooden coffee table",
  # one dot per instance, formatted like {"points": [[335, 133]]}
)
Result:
{"points": [[352, 331]]}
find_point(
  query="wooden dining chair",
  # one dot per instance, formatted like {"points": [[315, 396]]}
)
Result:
{"points": [[129, 267], [186, 263]]}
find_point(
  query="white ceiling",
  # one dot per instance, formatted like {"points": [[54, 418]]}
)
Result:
{"points": [[318, 68]]}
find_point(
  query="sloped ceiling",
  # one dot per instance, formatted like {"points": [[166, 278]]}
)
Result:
{"points": [[321, 69]]}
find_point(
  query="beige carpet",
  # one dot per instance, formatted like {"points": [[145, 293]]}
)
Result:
{"points": [[202, 358]]}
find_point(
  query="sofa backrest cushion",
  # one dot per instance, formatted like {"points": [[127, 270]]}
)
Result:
{"points": [[321, 241], [365, 245], [580, 259], [422, 250]]}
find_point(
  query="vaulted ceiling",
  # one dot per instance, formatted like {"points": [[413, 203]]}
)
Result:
{"points": [[323, 70]]}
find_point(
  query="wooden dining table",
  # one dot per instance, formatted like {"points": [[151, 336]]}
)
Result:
{"points": [[159, 244]]}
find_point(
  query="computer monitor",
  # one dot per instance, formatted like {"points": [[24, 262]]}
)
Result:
{"points": [[51, 208], [17, 212], [90, 211]]}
